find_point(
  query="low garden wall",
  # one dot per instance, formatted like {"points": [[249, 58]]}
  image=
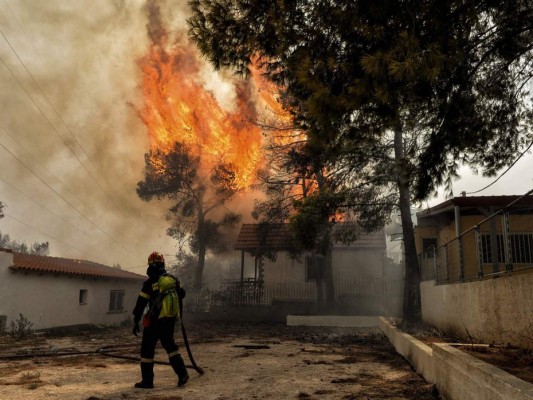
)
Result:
{"points": [[457, 375], [489, 311]]}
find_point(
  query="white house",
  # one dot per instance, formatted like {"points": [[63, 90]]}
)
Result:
{"points": [[59, 292], [362, 281]]}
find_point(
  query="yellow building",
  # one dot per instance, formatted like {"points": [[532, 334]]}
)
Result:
{"points": [[468, 238]]}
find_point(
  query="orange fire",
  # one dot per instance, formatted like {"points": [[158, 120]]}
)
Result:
{"points": [[177, 107], [269, 94]]}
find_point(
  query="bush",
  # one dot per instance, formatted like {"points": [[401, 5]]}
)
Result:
{"points": [[20, 328]]}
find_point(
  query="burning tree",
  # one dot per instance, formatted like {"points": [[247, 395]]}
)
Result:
{"points": [[202, 151], [400, 93], [177, 175]]}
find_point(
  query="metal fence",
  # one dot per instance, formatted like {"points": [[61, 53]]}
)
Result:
{"points": [[498, 244], [253, 293]]}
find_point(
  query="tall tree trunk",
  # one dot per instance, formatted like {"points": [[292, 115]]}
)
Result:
{"points": [[201, 250], [328, 277], [411, 302], [325, 249]]}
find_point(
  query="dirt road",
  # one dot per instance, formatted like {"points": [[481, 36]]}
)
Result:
{"points": [[299, 363]]}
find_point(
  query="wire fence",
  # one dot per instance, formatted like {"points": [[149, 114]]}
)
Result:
{"points": [[500, 243]]}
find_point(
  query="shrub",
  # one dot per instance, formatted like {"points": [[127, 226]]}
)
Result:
{"points": [[20, 328]]}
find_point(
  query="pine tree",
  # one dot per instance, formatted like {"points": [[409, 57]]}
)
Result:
{"points": [[176, 175], [413, 88]]}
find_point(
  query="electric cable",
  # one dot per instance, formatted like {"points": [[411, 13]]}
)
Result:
{"points": [[50, 122], [6, 132], [48, 101], [13, 187], [504, 172], [65, 200], [46, 234]]}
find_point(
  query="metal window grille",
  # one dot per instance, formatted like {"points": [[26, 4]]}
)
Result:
{"points": [[521, 248]]}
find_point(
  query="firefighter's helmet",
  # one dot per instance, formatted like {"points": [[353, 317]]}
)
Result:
{"points": [[155, 257]]}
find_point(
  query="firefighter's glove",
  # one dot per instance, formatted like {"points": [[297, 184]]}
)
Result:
{"points": [[136, 329]]}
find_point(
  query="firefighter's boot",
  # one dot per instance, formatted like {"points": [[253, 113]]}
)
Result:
{"points": [[147, 373], [179, 368]]}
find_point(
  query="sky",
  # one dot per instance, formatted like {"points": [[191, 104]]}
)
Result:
{"points": [[72, 144]]}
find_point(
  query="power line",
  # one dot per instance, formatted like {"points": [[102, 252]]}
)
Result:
{"points": [[47, 234], [47, 100], [24, 32], [65, 200], [504, 172], [46, 169], [50, 122], [43, 207]]}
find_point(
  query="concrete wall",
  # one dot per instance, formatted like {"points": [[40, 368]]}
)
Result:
{"points": [[461, 376], [417, 353], [457, 375], [50, 300], [492, 310]]}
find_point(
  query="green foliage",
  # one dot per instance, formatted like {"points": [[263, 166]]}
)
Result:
{"points": [[175, 175], [393, 95], [453, 72], [184, 268], [20, 328], [314, 218]]}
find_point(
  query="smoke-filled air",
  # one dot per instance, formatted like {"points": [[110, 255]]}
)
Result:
{"points": [[87, 89]]}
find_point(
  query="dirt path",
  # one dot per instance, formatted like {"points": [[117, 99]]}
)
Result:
{"points": [[299, 363]]}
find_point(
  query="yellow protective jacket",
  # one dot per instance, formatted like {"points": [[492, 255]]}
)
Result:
{"points": [[161, 296], [167, 299]]}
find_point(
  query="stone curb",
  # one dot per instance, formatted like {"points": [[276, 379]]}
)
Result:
{"points": [[457, 375]]}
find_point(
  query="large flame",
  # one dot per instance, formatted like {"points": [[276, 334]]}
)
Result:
{"points": [[177, 107], [283, 134]]}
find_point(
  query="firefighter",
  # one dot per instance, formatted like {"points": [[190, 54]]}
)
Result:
{"points": [[160, 293]]}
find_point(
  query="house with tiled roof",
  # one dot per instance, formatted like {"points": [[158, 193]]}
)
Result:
{"points": [[59, 292], [267, 261]]}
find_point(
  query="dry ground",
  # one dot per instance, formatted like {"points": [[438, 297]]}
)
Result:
{"points": [[299, 363]]}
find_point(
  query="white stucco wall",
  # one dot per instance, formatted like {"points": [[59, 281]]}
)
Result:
{"points": [[347, 262], [494, 310], [357, 262], [50, 300], [284, 269]]}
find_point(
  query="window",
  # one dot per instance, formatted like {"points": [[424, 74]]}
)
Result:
{"points": [[83, 296], [521, 248], [116, 300], [428, 246]]}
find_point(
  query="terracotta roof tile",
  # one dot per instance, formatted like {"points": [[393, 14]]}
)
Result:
{"points": [[56, 265], [269, 237], [276, 237]]}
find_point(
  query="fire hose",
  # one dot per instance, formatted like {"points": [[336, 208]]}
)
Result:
{"points": [[186, 341], [109, 351]]}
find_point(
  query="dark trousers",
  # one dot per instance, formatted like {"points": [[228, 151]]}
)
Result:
{"points": [[160, 329]]}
